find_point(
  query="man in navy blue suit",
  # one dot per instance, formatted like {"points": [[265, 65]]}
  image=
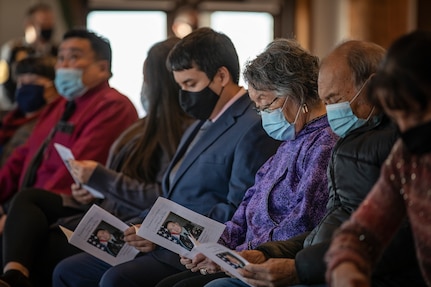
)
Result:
{"points": [[214, 165]]}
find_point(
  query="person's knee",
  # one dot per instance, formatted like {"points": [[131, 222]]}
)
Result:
{"points": [[111, 278], [27, 196], [223, 282], [59, 274]]}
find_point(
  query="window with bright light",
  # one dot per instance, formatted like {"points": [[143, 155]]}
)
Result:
{"points": [[132, 33], [250, 32]]}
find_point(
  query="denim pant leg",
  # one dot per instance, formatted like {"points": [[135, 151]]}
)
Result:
{"points": [[226, 282], [81, 270], [233, 282], [144, 270]]}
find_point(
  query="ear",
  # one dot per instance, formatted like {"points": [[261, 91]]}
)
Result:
{"points": [[224, 76], [103, 66]]}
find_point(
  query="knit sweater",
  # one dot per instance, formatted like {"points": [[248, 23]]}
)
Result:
{"points": [[403, 189]]}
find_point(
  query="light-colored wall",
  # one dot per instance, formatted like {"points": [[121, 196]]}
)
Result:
{"points": [[329, 25]]}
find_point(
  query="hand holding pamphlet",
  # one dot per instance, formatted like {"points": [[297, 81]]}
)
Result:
{"points": [[168, 224], [66, 155], [177, 228], [227, 259], [100, 234]]}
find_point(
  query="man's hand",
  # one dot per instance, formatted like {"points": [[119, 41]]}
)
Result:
{"points": [[273, 272], [348, 275], [131, 238], [253, 256]]}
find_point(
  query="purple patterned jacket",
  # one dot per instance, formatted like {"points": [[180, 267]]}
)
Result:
{"points": [[290, 191]]}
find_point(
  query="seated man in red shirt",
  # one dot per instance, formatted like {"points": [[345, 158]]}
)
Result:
{"points": [[93, 118]]}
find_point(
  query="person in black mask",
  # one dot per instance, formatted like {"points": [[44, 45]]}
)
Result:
{"points": [[215, 163], [35, 78], [402, 88], [39, 26]]}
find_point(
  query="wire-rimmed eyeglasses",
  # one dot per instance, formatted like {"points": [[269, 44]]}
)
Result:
{"points": [[265, 108]]}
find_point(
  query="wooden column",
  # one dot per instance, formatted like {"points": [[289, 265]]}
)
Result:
{"points": [[379, 21]]}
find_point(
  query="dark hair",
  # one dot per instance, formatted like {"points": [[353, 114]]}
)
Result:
{"points": [[208, 51], [99, 44], [101, 229], [403, 80], [286, 68], [165, 121], [165, 225], [44, 7], [42, 66]]}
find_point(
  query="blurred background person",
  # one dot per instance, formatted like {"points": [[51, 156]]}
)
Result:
{"points": [[39, 24], [35, 89], [186, 21]]}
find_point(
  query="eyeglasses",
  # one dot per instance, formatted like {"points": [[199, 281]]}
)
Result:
{"points": [[265, 108]]}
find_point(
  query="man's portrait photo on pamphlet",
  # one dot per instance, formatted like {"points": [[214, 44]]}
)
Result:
{"points": [[231, 259], [179, 230], [107, 238]]}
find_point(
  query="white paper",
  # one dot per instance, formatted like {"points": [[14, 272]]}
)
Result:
{"points": [[226, 258], [86, 237], [66, 154], [158, 227]]}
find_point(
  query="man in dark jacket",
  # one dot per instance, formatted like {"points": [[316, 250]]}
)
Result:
{"points": [[366, 139]]}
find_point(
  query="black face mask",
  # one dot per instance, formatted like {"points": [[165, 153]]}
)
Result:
{"points": [[417, 139], [46, 34], [199, 104], [30, 98]]}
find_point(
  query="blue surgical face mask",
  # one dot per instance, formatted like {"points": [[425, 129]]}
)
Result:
{"points": [[341, 117], [30, 97], [69, 83], [276, 126]]}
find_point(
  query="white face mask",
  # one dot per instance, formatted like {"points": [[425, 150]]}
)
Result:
{"points": [[276, 126]]}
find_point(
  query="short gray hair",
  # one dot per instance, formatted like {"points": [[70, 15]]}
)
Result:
{"points": [[286, 68]]}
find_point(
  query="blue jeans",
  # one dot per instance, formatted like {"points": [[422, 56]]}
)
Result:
{"points": [[233, 282], [85, 270]]}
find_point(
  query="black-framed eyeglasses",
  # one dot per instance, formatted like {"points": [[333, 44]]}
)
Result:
{"points": [[265, 108]]}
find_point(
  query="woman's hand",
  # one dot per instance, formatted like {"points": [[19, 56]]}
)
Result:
{"points": [[200, 263], [81, 195], [82, 169], [131, 238]]}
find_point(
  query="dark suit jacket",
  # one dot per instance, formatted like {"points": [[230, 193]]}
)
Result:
{"points": [[221, 166]]}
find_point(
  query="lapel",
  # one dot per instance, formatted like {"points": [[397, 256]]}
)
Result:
{"points": [[217, 129]]}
